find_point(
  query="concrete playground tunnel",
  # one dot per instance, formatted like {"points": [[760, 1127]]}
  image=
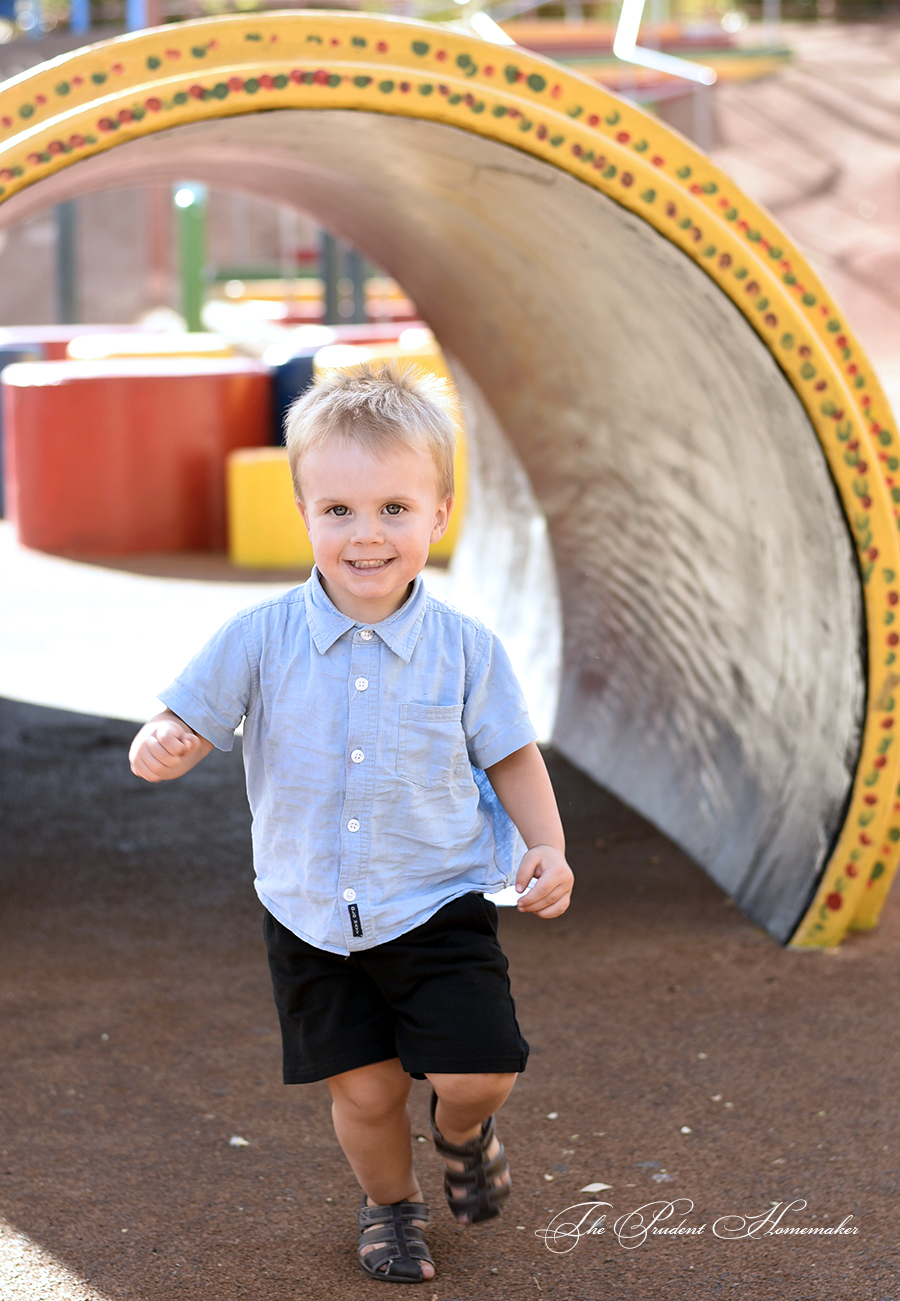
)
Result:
{"points": [[681, 505]]}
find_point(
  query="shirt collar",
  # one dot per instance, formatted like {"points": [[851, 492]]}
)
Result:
{"points": [[400, 631]]}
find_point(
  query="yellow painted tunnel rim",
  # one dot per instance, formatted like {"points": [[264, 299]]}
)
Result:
{"points": [[102, 95]]}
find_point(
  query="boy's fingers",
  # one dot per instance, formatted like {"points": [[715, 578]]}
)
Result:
{"points": [[537, 899], [531, 861], [176, 742], [164, 750], [159, 759], [549, 896], [542, 897], [556, 909], [522, 880], [142, 768]]}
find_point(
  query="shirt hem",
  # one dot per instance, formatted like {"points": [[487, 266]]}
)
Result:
{"points": [[393, 934]]}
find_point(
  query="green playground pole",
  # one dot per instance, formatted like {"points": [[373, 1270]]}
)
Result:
{"points": [[191, 205], [357, 276], [332, 269]]}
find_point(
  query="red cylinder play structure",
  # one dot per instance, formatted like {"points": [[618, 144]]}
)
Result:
{"points": [[124, 456]]}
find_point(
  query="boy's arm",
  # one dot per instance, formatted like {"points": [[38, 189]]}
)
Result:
{"points": [[166, 748], [522, 784]]}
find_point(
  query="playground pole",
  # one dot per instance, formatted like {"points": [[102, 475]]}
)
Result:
{"points": [[66, 263], [191, 203], [356, 271], [331, 274], [33, 11], [140, 14], [79, 17]]}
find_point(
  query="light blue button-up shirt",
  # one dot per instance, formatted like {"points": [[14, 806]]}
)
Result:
{"points": [[365, 748]]}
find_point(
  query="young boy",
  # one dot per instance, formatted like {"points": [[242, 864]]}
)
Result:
{"points": [[387, 746]]}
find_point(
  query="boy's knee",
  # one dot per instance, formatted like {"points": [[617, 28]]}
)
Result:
{"points": [[374, 1091], [471, 1090]]}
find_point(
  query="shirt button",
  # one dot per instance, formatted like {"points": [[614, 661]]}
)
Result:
{"points": [[366, 634], [349, 895], [357, 756], [361, 684], [353, 824]]}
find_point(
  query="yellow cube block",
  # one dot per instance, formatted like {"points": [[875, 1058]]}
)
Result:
{"points": [[265, 530]]}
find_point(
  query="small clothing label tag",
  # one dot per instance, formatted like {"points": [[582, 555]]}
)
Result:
{"points": [[354, 919]]}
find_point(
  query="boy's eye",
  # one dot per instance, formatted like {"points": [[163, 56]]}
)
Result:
{"points": [[393, 508], [339, 510]]}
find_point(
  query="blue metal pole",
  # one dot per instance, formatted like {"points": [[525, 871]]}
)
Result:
{"points": [[79, 17], [135, 15], [35, 11]]}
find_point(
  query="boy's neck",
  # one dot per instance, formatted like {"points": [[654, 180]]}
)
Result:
{"points": [[362, 610]]}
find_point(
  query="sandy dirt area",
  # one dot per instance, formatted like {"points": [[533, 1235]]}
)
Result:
{"points": [[138, 1038]]}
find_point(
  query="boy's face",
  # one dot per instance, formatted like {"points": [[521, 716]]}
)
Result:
{"points": [[371, 520]]}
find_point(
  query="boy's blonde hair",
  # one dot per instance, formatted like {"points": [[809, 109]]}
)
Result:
{"points": [[378, 405]]}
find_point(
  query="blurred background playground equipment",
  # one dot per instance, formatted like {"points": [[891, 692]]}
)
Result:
{"points": [[681, 506]]}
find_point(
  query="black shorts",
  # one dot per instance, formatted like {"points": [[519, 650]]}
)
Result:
{"points": [[437, 997]]}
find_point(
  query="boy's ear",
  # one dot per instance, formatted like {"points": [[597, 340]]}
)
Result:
{"points": [[442, 519], [304, 515]]}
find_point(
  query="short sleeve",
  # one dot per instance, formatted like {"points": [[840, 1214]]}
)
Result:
{"points": [[213, 693], [495, 715]]}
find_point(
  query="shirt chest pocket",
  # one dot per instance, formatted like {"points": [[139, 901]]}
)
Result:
{"points": [[431, 748]]}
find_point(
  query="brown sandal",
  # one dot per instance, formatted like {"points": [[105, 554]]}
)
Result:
{"points": [[401, 1244], [483, 1198]]}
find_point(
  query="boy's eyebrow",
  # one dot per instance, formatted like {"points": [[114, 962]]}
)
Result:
{"points": [[333, 501]]}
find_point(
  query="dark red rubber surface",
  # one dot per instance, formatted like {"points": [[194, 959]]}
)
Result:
{"points": [[127, 911]]}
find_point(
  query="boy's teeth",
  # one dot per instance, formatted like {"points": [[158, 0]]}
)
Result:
{"points": [[367, 564]]}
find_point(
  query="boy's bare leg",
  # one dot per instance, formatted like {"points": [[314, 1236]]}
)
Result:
{"points": [[464, 1104], [371, 1122]]}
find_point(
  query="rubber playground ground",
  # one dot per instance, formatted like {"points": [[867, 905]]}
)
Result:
{"points": [[139, 1039]]}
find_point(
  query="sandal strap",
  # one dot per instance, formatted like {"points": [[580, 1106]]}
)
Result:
{"points": [[401, 1244], [406, 1210], [482, 1199]]}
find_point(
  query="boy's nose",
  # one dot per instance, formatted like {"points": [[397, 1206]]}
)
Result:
{"points": [[368, 530]]}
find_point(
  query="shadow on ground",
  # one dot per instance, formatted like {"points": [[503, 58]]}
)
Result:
{"points": [[138, 1037]]}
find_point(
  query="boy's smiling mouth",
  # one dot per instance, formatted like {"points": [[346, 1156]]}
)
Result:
{"points": [[369, 564]]}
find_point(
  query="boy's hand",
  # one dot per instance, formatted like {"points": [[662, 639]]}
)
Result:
{"points": [[554, 880], [166, 748]]}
